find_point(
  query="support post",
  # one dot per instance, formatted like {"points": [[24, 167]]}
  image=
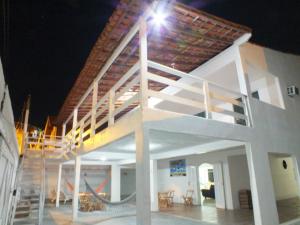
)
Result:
{"points": [[143, 63], [81, 130], [58, 186], [143, 201], [76, 187], [25, 125], [94, 110], [242, 77], [115, 183], [63, 133], [263, 196], [74, 125], [111, 108], [153, 187], [207, 102]]}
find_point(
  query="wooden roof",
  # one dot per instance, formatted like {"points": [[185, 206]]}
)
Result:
{"points": [[190, 38]]}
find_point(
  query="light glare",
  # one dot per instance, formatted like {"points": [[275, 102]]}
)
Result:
{"points": [[159, 18]]}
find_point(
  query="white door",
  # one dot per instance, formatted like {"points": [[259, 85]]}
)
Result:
{"points": [[219, 186]]}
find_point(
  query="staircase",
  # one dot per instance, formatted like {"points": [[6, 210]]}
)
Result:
{"points": [[29, 209]]}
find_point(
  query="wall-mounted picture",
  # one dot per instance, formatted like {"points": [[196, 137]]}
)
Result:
{"points": [[177, 168]]}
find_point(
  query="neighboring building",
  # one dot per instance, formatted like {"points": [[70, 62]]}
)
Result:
{"points": [[9, 156], [172, 99]]}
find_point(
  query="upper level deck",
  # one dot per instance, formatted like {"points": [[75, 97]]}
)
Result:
{"points": [[146, 78]]}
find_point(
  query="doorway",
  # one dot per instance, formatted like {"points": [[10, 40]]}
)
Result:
{"points": [[207, 185]]}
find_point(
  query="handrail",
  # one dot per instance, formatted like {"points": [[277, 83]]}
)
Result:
{"points": [[42, 191], [181, 74], [17, 190]]}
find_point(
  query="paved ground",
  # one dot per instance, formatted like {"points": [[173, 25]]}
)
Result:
{"points": [[177, 215]]}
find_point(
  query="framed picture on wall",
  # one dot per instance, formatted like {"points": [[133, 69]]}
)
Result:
{"points": [[177, 168]]}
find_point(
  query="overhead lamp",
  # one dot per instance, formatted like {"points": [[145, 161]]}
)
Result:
{"points": [[159, 18], [103, 158]]}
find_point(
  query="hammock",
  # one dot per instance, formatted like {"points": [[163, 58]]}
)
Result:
{"points": [[98, 189], [70, 186], [95, 194], [101, 186]]}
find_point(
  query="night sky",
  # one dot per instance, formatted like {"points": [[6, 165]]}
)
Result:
{"points": [[49, 41]]}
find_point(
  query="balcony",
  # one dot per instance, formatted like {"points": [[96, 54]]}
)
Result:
{"points": [[139, 77]]}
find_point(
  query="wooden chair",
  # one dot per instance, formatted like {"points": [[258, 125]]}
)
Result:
{"points": [[171, 195], [163, 199], [85, 203], [88, 203], [53, 196], [188, 198]]}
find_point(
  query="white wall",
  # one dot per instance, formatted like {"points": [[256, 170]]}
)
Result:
{"points": [[181, 184], [127, 182], [239, 176], [284, 180], [8, 151], [94, 176]]}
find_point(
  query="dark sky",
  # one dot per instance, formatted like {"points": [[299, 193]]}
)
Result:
{"points": [[49, 41]]}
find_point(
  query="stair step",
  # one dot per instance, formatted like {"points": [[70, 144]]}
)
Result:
{"points": [[23, 221], [21, 214], [22, 208], [33, 195]]}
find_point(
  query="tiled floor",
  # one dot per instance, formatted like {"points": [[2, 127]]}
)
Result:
{"points": [[288, 209], [212, 215], [177, 215]]}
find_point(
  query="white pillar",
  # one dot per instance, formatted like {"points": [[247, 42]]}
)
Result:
{"points": [[74, 125], [143, 201], [263, 197], [111, 107], [153, 185], [115, 186], [58, 185], [242, 77], [143, 63], [94, 110], [63, 133], [76, 187]]}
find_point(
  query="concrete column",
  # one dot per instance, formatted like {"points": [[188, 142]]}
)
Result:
{"points": [[263, 197], [153, 185], [63, 133], [198, 186], [242, 77], [58, 185], [115, 183], [143, 201], [94, 110], [76, 187], [143, 63]]}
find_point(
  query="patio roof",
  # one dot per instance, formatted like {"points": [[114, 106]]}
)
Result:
{"points": [[189, 38]]}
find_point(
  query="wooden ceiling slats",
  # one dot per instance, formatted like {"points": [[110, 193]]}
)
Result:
{"points": [[191, 38]]}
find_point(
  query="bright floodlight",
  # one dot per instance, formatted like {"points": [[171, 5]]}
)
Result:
{"points": [[159, 18], [103, 158]]}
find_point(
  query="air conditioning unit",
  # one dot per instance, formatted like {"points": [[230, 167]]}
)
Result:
{"points": [[292, 91]]}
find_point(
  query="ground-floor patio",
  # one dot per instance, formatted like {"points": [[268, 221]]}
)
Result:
{"points": [[176, 215]]}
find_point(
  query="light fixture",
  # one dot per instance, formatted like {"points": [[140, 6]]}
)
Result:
{"points": [[159, 18], [103, 158]]}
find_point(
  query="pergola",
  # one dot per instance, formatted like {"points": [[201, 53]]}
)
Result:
{"points": [[187, 39]]}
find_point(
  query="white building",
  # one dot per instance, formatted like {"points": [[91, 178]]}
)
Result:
{"points": [[139, 109]]}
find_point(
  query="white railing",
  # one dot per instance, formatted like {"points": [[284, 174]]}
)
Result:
{"points": [[208, 98], [121, 98], [135, 89], [49, 146]]}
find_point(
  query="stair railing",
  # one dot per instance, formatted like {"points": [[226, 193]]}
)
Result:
{"points": [[42, 190], [17, 189]]}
